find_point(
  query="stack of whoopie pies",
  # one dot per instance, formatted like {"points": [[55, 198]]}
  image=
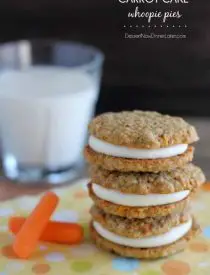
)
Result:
{"points": [[142, 182]]}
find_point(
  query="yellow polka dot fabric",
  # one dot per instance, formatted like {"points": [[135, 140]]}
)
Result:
{"points": [[54, 259]]}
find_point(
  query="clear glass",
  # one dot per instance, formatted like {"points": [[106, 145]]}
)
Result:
{"points": [[48, 91]]}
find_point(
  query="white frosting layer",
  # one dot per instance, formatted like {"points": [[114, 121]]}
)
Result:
{"points": [[137, 200], [153, 241], [126, 152]]}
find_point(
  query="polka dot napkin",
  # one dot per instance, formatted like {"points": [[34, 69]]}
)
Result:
{"points": [[84, 259]]}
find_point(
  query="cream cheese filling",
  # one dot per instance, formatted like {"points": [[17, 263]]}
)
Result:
{"points": [[103, 147], [133, 200]]}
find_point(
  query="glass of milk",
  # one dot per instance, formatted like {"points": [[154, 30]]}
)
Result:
{"points": [[48, 91]]}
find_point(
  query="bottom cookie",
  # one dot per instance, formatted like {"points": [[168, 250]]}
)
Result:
{"points": [[144, 253]]}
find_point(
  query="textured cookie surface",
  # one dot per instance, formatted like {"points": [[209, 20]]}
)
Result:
{"points": [[139, 212], [139, 129], [137, 228], [138, 165], [145, 253], [188, 177]]}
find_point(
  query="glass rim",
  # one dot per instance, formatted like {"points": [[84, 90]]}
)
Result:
{"points": [[97, 60]]}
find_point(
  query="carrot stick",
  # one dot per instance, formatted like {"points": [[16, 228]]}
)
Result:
{"points": [[29, 234], [57, 232]]}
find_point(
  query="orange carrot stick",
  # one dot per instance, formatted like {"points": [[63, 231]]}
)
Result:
{"points": [[29, 234], [57, 232]]}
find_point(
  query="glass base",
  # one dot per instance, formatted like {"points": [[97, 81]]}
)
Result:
{"points": [[34, 175]]}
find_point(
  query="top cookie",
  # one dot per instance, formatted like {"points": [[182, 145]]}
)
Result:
{"points": [[139, 129], [187, 177]]}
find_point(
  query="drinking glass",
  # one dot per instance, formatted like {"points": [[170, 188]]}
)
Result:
{"points": [[48, 90]]}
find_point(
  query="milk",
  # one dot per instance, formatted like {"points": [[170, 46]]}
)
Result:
{"points": [[44, 115]]}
